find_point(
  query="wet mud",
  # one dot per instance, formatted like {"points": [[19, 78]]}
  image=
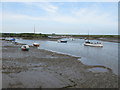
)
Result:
{"points": [[38, 68]]}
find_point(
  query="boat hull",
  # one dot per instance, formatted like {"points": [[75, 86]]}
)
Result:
{"points": [[25, 48], [36, 44], [60, 41], [93, 45], [10, 39]]}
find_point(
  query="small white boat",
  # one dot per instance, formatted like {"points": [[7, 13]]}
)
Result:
{"points": [[25, 48], [93, 44], [36, 44], [72, 39]]}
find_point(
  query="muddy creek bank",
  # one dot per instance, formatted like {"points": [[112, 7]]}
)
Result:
{"points": [[39, 68]]}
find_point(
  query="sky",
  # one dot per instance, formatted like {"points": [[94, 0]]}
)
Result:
{"points": [[60, 17]]}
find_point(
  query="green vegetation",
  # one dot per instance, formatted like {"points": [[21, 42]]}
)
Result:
{"points": [[24, 35], [32, 35]]}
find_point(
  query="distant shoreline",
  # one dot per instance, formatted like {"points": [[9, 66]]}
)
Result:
{"points": [[108, 38]]}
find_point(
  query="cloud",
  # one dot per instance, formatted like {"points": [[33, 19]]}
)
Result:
{"points": [[83, 17], [20, 17], [46, 6], [94, 16], [86, 15]]}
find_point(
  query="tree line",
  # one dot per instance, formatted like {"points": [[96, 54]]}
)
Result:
{"points": [[29, 35]]}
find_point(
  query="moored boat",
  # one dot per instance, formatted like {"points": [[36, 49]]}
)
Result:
{"points": [[72, 39], [36, 44], [93, 44], [10, 39], [62, 41], [25, 48]]}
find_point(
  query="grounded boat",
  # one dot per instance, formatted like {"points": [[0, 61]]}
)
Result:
{"points": [[25, 48], [10, 39], [62, 41], [36, 44], [93, 44]]}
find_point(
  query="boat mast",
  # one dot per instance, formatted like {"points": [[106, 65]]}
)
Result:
{"points": [[34, 28], [88, 35]]}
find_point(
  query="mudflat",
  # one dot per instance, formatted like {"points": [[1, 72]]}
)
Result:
{"points": [[38, 68]]}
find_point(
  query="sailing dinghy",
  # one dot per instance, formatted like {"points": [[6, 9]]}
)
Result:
{"points": [[92, 44], [35, 44]]}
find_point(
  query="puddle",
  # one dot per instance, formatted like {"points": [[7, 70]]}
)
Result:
{"points": [[98, 69]]}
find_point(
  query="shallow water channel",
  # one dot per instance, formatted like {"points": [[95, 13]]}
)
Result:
{"points": [[105, 56]]}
